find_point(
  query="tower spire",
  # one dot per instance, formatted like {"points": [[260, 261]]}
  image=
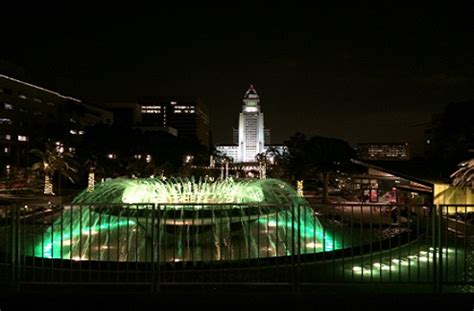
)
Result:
{"points": [[251, 93]]}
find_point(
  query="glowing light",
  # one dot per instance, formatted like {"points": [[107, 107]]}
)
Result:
{"points": [[314, 245], [357, 269], [88, 228], [250, 109], [48, 185], [170, 191], [423, 259], [90, 182], [299, 187]]}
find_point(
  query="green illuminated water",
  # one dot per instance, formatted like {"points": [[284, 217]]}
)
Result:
{"points": [[191, 221]]}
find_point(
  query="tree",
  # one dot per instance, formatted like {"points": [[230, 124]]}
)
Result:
{"points": [[142, 167], [261, 158], [452, 138], [224, 161], [274, 159], [464, 176], [295, 162], [93, 166], [54, 160], [317, 156]]}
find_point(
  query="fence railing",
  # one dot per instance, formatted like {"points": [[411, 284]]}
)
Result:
{"points": [[237, 244]]}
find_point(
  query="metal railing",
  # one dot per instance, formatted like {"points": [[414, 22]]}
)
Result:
{"points": [[237, 244]]}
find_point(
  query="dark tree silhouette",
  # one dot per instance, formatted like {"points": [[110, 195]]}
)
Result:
{"points": [[316, 157]]}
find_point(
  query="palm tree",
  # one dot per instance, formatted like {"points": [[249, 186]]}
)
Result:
{"points": [[54, 160], [93, 166], [261, 158], [464, 176], [273, 155], [224, 161]]}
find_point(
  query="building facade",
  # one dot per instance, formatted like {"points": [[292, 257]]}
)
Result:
{"points": [[251, 128], [30, 115], [188, 115], [251, 137], [384, 151]]}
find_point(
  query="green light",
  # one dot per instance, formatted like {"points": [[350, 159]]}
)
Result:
{"points": [[174, 190], [53, 245], [88, 231], [404, 263]]}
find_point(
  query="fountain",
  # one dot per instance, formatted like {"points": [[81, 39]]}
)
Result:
{"points": [[185, 220]]}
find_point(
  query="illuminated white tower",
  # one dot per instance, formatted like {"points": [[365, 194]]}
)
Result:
{"points": [[251, 133]]}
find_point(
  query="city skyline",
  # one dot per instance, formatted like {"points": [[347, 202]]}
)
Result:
{"points": [[360, 74]]}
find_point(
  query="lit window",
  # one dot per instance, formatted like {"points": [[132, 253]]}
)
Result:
{"points": [[6, 150], [22, 138], [250, 109], [81, 132], [5, 121], [8, 136], [173, 103], [22, 96], [73, 132], [151, 109], [8, 106]]}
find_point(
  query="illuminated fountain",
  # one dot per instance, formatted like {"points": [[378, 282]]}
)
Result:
{"points": [[185, 220]]}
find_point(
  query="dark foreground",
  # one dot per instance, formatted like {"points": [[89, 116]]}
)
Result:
{"points": [[211, 298]]}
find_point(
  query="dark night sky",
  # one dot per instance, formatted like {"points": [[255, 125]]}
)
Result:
{"points": [[356, 73]]}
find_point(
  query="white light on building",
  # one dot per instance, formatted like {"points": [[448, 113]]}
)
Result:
{"points": [[251, 134]]}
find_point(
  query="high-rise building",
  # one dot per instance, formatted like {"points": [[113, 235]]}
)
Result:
{"points": [[188, 115], [251, 137], [251, 129]]}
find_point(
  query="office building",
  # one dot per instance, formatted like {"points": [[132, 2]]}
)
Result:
{"points": [[188, 115], [384, 151], [31, 115]]}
